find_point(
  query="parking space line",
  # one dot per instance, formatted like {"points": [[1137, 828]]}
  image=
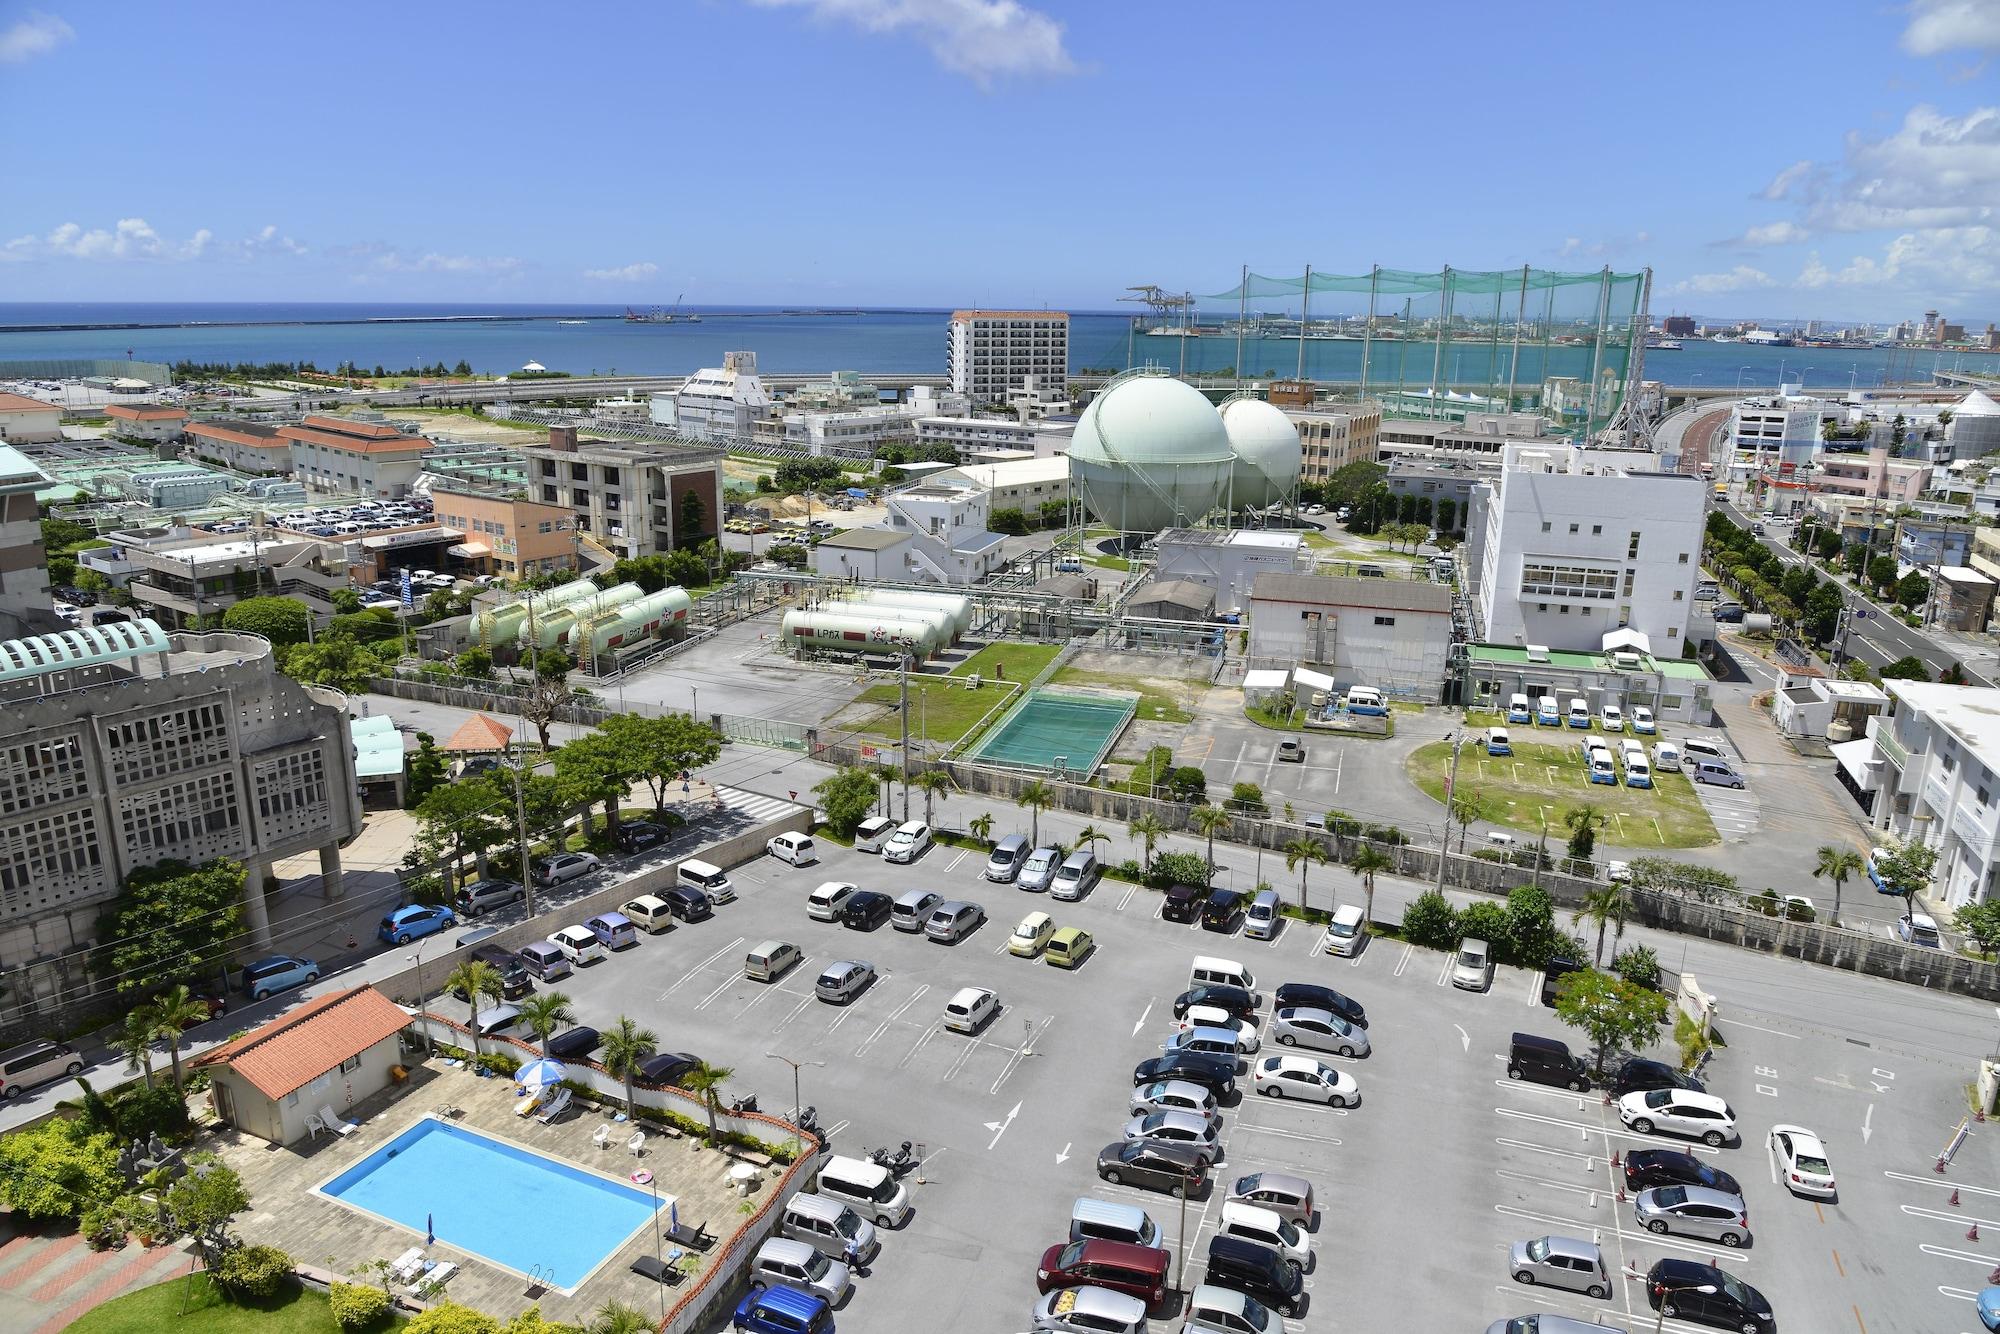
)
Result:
{"points": [[893, 1016], [1020, 1053], [1550, 1298], [1570, 1186], [1126, 897], [1916, 1212], [773, 989], [958, 1062], [700, 967], [922, 1042], [1547, 1149], [952, 865], [1543, 1091], [1534, 996], [1738, 1023], [1968, 1257], [1940, 1183], [792, 1013], [1444, 973], [710, 998], [1403, 960], [1291, 1134]]}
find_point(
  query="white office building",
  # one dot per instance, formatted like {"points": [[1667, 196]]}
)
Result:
{"points": [[721, 404], [935, 533], [857, 431], [1566, 546], [1226, 563], [982, 435], [991, 352], [1936, 771], [1023, 484], [1782, 429]]}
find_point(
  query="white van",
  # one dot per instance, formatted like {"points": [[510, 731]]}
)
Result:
{"points": [[869, 1187], [1347, 930], [1261, 922], [1103, 1220], [830, 1227], [872, 833], [1704, 748], [650, 914], [1579, 714], [1667, 757], [1518, 710], [824, 904], [708, 879], [1545, 712], [579, 944], [1366, 700], [797, 849], [1209, 971], [1637, 772]]}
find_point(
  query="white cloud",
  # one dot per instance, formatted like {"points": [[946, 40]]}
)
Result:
{"points": [[1934, 171], [1789, 179], [1738, 279], [1575, 247], [36, 35], [630, 273], [130, 239], [1770, 234], [394, 261], [1937, 26], [984, 40], [1941, 262]]}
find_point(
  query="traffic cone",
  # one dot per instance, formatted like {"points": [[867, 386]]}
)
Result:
{"points": [[1994, 1277], [1617, 1159], [351, 942], [1954, 1197], [1939, 1169], [1972, 1233], [1607, 1100]]}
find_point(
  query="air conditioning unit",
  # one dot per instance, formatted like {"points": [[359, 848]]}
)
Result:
{"points": [[1625, 662]]}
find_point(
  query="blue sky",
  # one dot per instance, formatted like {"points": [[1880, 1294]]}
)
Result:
{"points": [[1838, 158]]}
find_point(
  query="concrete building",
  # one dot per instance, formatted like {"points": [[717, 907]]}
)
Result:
{"points": [[146, 421], [973, 435], [631, 498], [721, 404], [839, 392], [29, 421], [1023, 484], [1226, 563], [1974, 430], [1676, 689], [504, 532], [1923, 543], [326, 1055], [866, 554], [1480, 435], [947, 521], [856, 431], [1936, 768], [25, 607], [245, 447], [1442, 480], [1173, 600], [1034, 399], [1962, 599], [178, 574], [355, 456], [1985, 554], [127, 747], [1874, 475], [1564, 548], [1784, 428], [1825, 706], [1393, 634], [990, 352], [1333, 435]]}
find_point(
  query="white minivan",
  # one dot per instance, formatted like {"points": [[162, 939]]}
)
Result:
{"points": [[1347, 930], [797, 849]]}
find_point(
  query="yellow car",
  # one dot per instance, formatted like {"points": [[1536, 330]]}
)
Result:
{"points": [[1029, 937], [1069, 947]]}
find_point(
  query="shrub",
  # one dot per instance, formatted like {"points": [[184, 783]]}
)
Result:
{"points": [[1385, 833], [452, 1318], [1531, 925], [1248, 798], [144, 1112], [1129, 869], [1638, 965], [1176, 868], [498, 1063], [258, 1273], [357, 1305], [1487, 921], [1188, 783], [1431, 921]]}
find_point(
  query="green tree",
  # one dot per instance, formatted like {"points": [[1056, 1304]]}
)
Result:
{"points": [[1036, 797], [1604, 906], [597, 770], [57, 1169], [981, 826], [705, 1082], [1187, 783], [1009, 522], [1447, 515], [1366, 861], [1206, 820], [930, 782], [648, 572], [845, 799], [616, 1317], [1531, 925], [1300, 854], [544, 1013], [476, 981], [173, 1013], [472, 816], [1912, 589], [1692, 1038], [451, 1318], [1090, 837], [531, 1321], [1249, 799], [474, 662], [1980, 923], [427, 769], [1836, 863], [281, 620], [661, 749], [1468, 808], [346, 601], [135, 1043], [1431, 922], [1150, 829], [1882, 572], [1483, 919], [174, 923], [1909, 868], [203, 1203], [1609, 1011], [685, 569], [337, 659], [627, 1047], [1906, 668], [1582, 822]]}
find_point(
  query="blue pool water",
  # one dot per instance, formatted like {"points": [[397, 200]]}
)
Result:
{"points": [[515, 1208]]}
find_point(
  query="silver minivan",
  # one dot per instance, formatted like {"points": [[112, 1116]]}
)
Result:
{"points": [[1038, 870], [36, 1063], [1076, 876], [1261, 922], [1004, 863], [784, 1260], [913, 909], [872, 833], [1561, 1262], [829, 1227], [1102, 1220], [869, 1187]]}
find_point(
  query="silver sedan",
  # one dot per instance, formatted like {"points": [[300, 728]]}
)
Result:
{"points": [[1694, 1211], [1321, 1030]]}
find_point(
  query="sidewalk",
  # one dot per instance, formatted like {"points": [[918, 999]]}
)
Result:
{"points": [[48, 1280]]}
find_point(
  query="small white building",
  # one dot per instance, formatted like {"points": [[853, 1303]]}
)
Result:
{"points": [[1565, 546], [1023, 484], [933, 533], [29, 421], [1393, 634], [1936, 764], [1826, 706], [146, 421], [973, 435], [721, 403], [1784, 428], [1227, 563], [325, 1056]]}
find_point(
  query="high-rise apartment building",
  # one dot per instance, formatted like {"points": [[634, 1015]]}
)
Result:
{"points": [[992, 351]]}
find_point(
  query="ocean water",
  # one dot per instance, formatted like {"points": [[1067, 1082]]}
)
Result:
{"points": [[497, 340]]}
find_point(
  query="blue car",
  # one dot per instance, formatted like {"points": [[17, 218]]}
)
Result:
{"points": [[783, 1310], [1989, 1307], [278, 973], [406, 924]]}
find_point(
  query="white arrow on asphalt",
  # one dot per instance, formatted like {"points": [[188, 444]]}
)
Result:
{"points": [[1149, 1009], [1464, 1038], [1063, 1157], [999, 1128], [1866, 1128]]}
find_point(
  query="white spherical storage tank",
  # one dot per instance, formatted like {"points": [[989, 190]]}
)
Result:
{"points": [[1267, 451], [1150, 453]]}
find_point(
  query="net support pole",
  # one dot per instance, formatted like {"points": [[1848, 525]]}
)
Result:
{"points": [[1597, 351], [1368, 330], [1437, 343], [1305, 313], [1520, 318], [1242, 314]]}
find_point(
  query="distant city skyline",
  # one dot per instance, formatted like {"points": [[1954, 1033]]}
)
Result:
{"points": [[942, 153]]}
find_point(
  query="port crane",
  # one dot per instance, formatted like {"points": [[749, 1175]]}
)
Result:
{"points": [[1167, 307]]}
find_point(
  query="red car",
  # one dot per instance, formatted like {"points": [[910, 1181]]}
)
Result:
{"points": [[1136, 1271]]}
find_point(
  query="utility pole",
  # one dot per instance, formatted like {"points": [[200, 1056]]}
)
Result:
{"points": [[1450, 787], [905, 683], [521, 841]]}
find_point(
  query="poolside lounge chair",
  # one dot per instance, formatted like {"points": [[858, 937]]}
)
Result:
{"points": [[636, 1143], [435, 1276], [601, 1137], [408, 1265], [529, 1102], [332, 1121], [556, 1106], [696, 1237], [647, 1266]]}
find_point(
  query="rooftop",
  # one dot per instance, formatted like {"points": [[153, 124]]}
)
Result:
{"points": [[1336, 590], [867, 539], [479, 734], [17, 468], [136, 412], [333, 437], [1018, 472], [1513, 655], [22, 403], [1010, 315], [290, 1052], [259, 434], [1177, 593], [1970, 713]]}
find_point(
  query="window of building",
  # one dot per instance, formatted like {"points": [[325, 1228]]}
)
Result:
{"points": [[350, 1065], [1564, 609], [1569, 581], [1632, 548], [1597, 530], [1628, 584], [1679, 594], [1573, 527], [1385, 620], [1545, 525], [1684, 558]]}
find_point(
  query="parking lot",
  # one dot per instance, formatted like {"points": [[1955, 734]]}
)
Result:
{"points": [[1422, 1187]]}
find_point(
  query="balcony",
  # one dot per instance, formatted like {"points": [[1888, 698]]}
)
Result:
{"points": [[1974, 828], [1892, 749], [1937, 793]]}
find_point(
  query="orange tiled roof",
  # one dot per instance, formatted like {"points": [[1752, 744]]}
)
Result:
{"points": [[371, 444], [133, 412], [480, 733], [347, 426], [290, 1052], [267, 438], [22, 403]]}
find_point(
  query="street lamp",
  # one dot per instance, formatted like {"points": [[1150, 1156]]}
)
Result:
{"points": [[1739, 378], [797, 1106], [430, 1044]]}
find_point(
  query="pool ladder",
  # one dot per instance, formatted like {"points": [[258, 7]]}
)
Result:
{"points": [[540, 1279]]}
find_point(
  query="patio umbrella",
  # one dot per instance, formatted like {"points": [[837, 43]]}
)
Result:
{"points": [[541, 1073]]}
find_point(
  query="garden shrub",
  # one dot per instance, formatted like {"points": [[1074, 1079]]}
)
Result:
{"points": [[1638, 965], [144, 1112], [1487, 921], [255, 1272], [1531, 926], [1176, 868], [1431, 921], [357, 1305]]}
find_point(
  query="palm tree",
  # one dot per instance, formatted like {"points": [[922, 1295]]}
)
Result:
{"points": [[1836, 864], [1604, 906], [136, 1042], [1366, 861], [1583, 822], [981, 826], [1206, 820], [705, 1082], [626, 1048], [1151, 828], [932, 781], [475, 979], [546, 1012], [1302, 853], [1091, 837], [1037, 797], [618, 1318], [167, 1016]]}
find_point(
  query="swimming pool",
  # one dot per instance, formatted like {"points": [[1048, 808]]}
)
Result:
{"points": [[517, 1208], [1054, 729]]}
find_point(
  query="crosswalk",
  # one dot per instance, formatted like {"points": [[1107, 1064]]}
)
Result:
{"points": [[754, 805]]}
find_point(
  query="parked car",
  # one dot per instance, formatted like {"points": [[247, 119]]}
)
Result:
{"points": [[1561, 1262], [1645, 1168], [1004, 862], [866, 911], [1089, 1311], [280, 972], [908, 843], [1302, 1077], [1693, 1211], [1802, 1161], [690, 905], [1182, 903], [843, 980], [573, 1043], [1216, 1073], [1289, 1197], [1919, 929], [1152, 1164], [32, 1063], [1312, 996], [1237, 1003], [1068, 947], [1472, 969], [1321, 1030], [1197, 1132], [417, 920], [486, 895], [953, 920], [1222, 909], [564, 866], [1114, 1266], [1292, 751], [1707, 1295], [1639, 1075], [1031, 935], [638, 835], [668, 1067], [1039, 870], [1173, 1095], [1701, 1116]]}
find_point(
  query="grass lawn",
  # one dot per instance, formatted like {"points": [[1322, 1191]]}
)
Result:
{"points": [[1158, 701], [300, 1311], [939, 711], [1022, 661], [1547, 779]]}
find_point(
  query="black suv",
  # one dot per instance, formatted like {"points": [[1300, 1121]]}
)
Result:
{"points": [[1646, 1168], [1312, 996], [1222, 909], [574, 1043], [1239, 1003], [1263, 1274], [1675, 1289], [638, 835], [1183, 903], [1640, 1075], [866, 910], [690, 905], [1217, 1074]]}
